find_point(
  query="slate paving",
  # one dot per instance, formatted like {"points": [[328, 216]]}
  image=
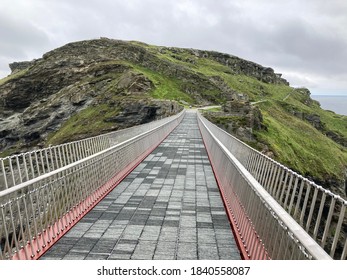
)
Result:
{"points": [[168, 208]]}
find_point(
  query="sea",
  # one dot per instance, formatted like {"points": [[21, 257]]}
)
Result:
{"points": [[335, 103]]}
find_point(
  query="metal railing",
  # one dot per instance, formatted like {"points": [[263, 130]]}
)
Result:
{"points": [[262, 225], [33, 214], [19, 168]]}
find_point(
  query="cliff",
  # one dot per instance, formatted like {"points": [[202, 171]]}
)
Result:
{"points": [[91, 87]]}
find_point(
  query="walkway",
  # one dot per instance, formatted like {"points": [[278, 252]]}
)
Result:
{"points": [[169, 207]]}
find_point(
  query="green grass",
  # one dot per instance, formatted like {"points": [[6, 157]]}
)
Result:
{"points": [[294, 141], [226, 119], [165, 87], [299, 145], [90, 121], [214, 109], [13, 76]]}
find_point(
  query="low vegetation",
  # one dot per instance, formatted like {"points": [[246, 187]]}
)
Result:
{"points": [[294, 128]]}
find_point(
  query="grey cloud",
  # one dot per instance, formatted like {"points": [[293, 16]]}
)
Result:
{"points": [[20, 40], [299, 45], [305, 38]]}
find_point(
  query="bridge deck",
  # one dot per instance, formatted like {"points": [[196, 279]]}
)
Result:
{"points": [[169, 207]]}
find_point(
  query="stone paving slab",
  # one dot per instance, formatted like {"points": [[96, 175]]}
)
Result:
{"points": [[168, 208]]}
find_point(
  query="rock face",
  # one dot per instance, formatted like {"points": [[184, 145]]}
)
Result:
{"points": [[90, 87], [241, 66], [239, 118], [42, 95]]}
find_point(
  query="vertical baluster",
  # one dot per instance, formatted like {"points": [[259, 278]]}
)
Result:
{"points": [[338, 229], [4, 173], [74, 153], [299, 198], [328, 222], [52, 157], [253, 163], [6, 230], [34, 218], [263, 172], [274, 179], [31, 166], [260, 160], [25, 167], [42, 163], [64, 160], [11, 171], [47, 161], [344, 252], [280, 183], [28, 226], [56, 157], [318, 220], [37, 164], [270, 171], [61, 157], [248, 161], [19, 169], [24, 240], [87, 147], [284, 185], [70, 153], [39, 199], [313, 203], [308, 190], [84, 149], [288, 190], [14, 228]]}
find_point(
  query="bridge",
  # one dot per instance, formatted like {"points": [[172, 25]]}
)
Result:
{"points": [[176, 188]]}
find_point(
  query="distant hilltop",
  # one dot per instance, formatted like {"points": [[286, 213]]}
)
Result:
{"points": [[91, 87]]}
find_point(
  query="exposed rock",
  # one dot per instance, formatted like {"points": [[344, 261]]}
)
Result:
{"points": [[70, 79], [120, 79], [18, 66], [237, 107], [241, 66], [143, 111], [340, 139], [239, 118], [133, 83], [314, 120]]}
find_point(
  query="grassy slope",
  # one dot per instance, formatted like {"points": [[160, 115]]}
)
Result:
{"points": [[93, 117], [82, 123], [13, 76], [294, 142], [299, 145]]}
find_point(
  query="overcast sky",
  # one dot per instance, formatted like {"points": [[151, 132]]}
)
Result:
{"points": [[305, 40]]}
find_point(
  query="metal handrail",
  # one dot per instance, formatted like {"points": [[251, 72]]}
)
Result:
{"points": [[265, 229], [35, 213], [18, 168]]}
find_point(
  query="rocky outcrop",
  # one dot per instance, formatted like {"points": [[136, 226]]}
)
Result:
{"points": [[38, 101], [18, 66], [241, 66], [239, 118], [43, 94], [143, 111], [316, 122], [235, 64], [91, 87]]}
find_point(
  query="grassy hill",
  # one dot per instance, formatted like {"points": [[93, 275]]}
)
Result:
{"points": [[90, 87]]}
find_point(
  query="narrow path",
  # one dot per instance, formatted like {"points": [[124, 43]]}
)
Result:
{"points": [[169, 207]]}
